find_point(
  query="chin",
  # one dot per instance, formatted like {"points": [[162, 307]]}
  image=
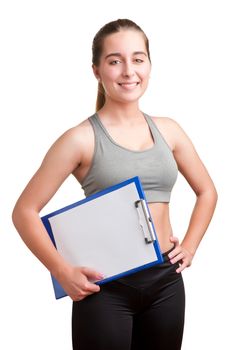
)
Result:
{"points": [[127, 98]]}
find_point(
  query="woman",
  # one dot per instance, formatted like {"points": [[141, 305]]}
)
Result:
{"points": [[146, 309]]}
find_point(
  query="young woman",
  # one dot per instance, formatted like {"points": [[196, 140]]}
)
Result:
{"points": [[146, 309]]}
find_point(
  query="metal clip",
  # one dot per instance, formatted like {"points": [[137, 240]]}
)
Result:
{"points": [[145, 221]]}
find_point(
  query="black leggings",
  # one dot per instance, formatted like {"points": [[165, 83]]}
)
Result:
{"points": [[142, 311]]}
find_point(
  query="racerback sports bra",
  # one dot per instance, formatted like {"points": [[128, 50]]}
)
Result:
{"points": [[112, 164]]}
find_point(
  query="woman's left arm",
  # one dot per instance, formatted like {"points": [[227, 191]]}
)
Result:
{"points": [[194, 171]]}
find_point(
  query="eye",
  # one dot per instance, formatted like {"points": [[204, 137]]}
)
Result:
{"points": [[114, 62], [138, 60]]}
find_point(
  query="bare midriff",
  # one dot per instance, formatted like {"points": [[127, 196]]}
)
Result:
{"points": [[160, 216]]}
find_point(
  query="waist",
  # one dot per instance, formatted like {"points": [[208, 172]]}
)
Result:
{"points": [[161, 219]]}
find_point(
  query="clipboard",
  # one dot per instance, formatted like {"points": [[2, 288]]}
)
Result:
{"points": [[111, 231]]}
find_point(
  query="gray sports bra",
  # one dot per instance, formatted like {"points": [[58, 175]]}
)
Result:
{"points": [[112, 163]]}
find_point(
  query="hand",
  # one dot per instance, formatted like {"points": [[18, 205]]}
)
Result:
{"points": [[76, 281], [180, 254]]}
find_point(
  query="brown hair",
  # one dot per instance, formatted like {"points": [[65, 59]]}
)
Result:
{"points": [[97, 47]]}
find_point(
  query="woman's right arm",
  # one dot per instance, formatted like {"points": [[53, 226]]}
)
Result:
{"points": [[60, 161]]}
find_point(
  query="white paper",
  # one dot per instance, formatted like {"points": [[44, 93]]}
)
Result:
{"points": [[104, 233]]}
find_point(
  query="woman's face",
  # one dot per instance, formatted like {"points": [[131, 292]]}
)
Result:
{"points": [[124, 67]]}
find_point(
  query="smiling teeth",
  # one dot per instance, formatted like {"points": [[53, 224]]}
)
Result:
{"points": [[129, 84]]}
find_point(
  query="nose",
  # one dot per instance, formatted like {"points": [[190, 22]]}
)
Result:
{"points": [[128, 70]]}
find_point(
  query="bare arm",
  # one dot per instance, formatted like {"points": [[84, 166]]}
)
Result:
{"points": [[194, 171], [62, 158]]}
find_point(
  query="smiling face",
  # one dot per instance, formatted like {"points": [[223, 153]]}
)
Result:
{"points": [[124, 66]]}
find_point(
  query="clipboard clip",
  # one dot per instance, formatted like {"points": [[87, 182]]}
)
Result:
{"points": [[145, 221]]}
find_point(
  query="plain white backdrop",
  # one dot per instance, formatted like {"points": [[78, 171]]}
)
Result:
{"points": [[47, 86]]}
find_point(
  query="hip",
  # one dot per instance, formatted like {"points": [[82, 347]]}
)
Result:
{"points": [[157, 275], [156, 284]]}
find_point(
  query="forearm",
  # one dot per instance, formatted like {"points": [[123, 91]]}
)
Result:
{"points": [[34, 235], [200, 219]]}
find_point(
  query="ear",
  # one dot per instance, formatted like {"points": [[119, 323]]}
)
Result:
{"points": [[96, 72]]}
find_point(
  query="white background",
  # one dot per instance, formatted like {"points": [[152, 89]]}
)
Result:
{"points": [[47, 86]]}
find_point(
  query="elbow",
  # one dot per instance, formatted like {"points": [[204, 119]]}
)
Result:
{"points": [[213, 194], [213, 198], [22, 214], [210, 195], [216, 195], [19, 215], [15, 215]]}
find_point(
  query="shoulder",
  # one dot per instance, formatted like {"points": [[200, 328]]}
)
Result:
{"points": [[78, 131], [70, 146], [170, 130], [180, 143], [166, 123], [77, 135]]}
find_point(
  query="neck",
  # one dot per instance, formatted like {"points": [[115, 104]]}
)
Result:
{"points": [[124, 112]]}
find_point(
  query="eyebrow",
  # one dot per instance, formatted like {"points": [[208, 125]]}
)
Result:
{"points": [[117, 54]]}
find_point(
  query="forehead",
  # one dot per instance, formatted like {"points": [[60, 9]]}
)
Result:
{"points": [[125, 41]]}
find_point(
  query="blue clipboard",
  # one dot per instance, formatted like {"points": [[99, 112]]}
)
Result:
{"points": [[111, 231]]}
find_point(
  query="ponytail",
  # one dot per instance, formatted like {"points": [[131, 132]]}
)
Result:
{"points": [[100, 97]]}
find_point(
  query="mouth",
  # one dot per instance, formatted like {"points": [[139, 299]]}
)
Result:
{"points": [[129, 85]]}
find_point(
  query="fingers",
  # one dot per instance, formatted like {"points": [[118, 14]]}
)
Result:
{"points": [[182, 267], [91, 274], [86, 287], [78, 282], [85, 290], [180, 255]]}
